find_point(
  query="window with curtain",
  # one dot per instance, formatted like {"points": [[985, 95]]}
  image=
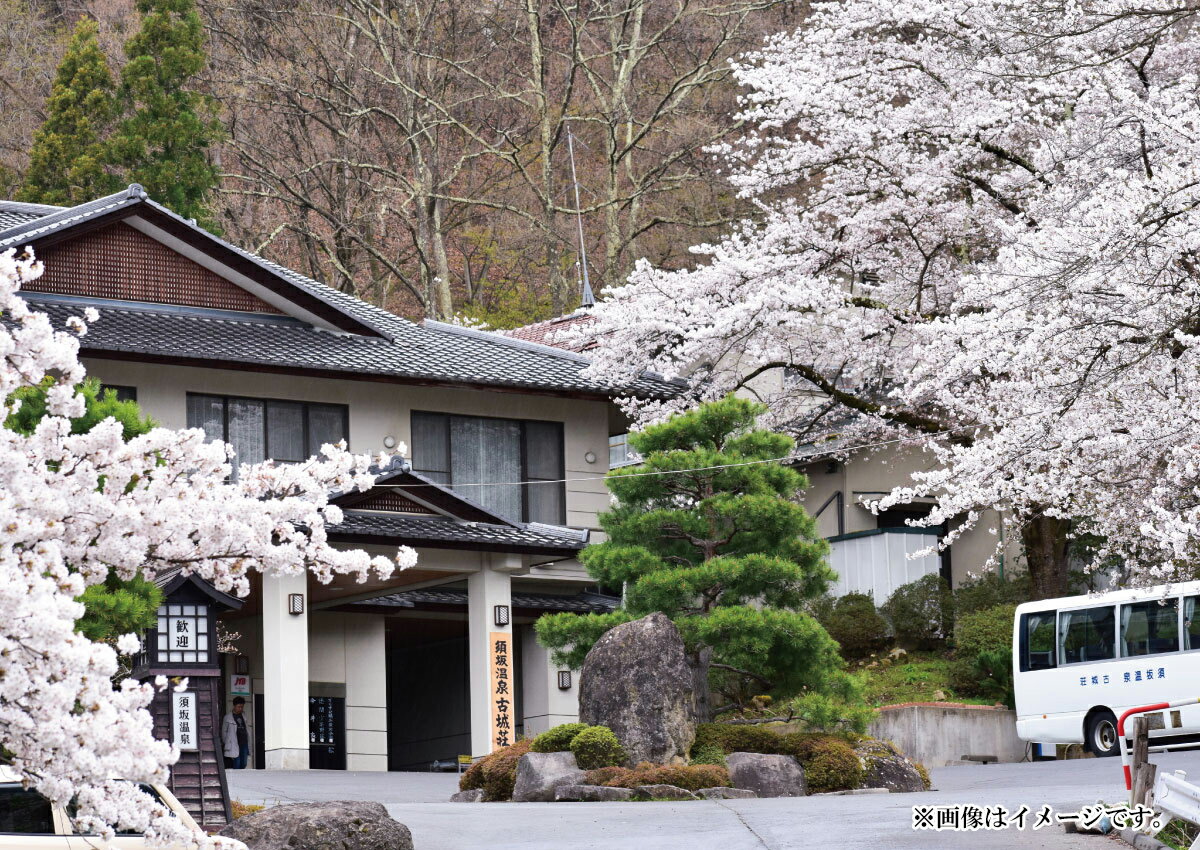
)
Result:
{"points": [[1087, 635], [1191, 629], [258, 429], [1148, 628], [1037, 631], [511, 466]]}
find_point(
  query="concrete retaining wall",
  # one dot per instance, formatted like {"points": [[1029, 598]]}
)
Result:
{"points": [[937, 734]]}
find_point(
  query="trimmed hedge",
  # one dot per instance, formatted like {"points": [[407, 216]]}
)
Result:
{"points": [[597, 746], [986, 630], [558, 739], [855, 624], [693, 777], [829, 761], [496, 773], [921, 612]]}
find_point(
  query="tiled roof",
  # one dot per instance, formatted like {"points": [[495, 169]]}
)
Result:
{"points": [[553, 331], [429, 352], [582, 603], [418, 530]]}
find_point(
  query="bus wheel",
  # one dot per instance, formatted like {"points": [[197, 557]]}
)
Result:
{"points": [[1102, 734]]}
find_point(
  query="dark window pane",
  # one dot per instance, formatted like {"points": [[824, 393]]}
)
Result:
{"points": [[1087, 635], [485, 456], [246, 430], [207, 412], [1148, 628], [431, 445], [1038, 634], [1191, 625], [544, 450], [25, 812], [122, 393], [285, 431], [546, 502], [326, 424]]}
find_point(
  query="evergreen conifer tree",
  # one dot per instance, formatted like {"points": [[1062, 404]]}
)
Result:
{"points": [[722, 549], [67, 160], [163, 144]]}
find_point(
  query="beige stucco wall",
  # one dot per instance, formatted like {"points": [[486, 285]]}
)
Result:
{"points": [[877, 473], [378, 410]]}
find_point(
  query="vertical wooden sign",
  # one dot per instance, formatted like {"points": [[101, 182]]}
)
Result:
{"points": [[184, 718], [503, 687]]}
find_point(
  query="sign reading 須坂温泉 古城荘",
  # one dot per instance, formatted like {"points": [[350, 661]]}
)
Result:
{"points": [[183, 719], [503, 686]]}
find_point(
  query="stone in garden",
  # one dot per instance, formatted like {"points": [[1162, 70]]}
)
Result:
{"points": [[591, 794], [637, 681], [475, 795], [540, 774], [345, 824], [766, 775], [887, 767], [726, 793], [662, 792]]}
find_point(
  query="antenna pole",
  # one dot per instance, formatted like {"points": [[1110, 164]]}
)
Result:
{"points": [[587, 298]]}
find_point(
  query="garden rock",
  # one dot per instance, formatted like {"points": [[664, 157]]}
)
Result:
{"points": [[886, 767], [662, 792], [726, 794], [591, 794], [637, 681], [345, 824], [766, 775], [475, 795], [540, 774]]}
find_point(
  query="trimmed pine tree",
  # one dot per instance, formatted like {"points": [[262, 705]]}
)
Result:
{"points": [[68, 160]]}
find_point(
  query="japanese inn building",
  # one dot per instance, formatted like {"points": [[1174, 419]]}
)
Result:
{"points": [[387, 675]]}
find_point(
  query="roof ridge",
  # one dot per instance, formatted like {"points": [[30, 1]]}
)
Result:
{"points": [[513, 342]]}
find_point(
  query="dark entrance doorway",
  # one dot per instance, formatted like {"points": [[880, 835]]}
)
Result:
{"points": [[429, 717], [327, 733]]}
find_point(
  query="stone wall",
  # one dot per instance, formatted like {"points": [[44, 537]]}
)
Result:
{"points": [[937, 734]]}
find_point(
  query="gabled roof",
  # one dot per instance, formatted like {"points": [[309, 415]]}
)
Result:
{"points": [[328, 334], [171, 580], [554, 332], [452, 597]]}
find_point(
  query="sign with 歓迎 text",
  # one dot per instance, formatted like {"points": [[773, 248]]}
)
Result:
{"points": [[181, 633], [239, 685], [184, 717], [503, 686]]}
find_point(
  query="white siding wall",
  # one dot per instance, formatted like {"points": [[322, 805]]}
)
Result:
{"points": [[878, 563]]}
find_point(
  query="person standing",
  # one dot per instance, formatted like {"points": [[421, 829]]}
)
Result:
{"points": [[235, 736]]}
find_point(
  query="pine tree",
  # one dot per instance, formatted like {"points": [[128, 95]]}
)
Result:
{"points": [[163, 144], [118, 606], [67, 160], [724, 552]]}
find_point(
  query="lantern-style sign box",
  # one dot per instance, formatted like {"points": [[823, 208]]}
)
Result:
{"points": [[183, 643]]}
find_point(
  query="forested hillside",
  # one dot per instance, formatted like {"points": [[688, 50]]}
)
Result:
{"points": [[415, 152]]}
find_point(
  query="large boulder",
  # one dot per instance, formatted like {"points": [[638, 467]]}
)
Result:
{"points": [[766, 775], [540, 774], [341, 824], [475, 795], [637, 681], [591, 794], [886, 767]]}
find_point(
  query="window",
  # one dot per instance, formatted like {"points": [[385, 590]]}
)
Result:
{"points": [[258, 429], [620, 453], [122, 393], [1191, 627], [1087, 635], [1148, 628], [488, 458], [1037, 640], [182, 634], [24, 812]]}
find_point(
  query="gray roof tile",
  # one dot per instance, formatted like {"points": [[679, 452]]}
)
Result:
{"points": [[432, 529], [582, 603]]}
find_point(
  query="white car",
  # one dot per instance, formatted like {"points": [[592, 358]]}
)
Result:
{"points": [[28, 821]]}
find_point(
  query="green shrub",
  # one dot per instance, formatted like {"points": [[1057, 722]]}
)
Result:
{"points": [[693, 777], [855, 624], [708, 754], [830, 763], [735, 738], [825, 713], [558, 739], [985, 630], [597, 746], [496, 773], [989, 590], [921, 612]]}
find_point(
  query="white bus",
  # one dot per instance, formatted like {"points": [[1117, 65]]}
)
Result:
{"points": [[1080, 661]]}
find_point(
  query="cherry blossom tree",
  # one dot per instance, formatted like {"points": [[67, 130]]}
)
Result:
{"points": [[977, 235], [77, 508]]}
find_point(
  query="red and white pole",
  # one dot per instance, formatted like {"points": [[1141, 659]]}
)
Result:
{"points": [[1158, 706]]}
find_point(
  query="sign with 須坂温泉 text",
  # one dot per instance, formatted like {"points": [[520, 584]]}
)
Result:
{"points": [[503, 687], [184, 716]]}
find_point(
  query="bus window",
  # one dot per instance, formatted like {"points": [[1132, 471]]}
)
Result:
{"points": [[1191, 627], [1148, 628], [1037, 638], [1087, 635]]}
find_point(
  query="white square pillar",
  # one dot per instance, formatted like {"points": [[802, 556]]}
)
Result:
{"points": [[546, 705], [366, 692], [493, 661], [285, 674]]}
